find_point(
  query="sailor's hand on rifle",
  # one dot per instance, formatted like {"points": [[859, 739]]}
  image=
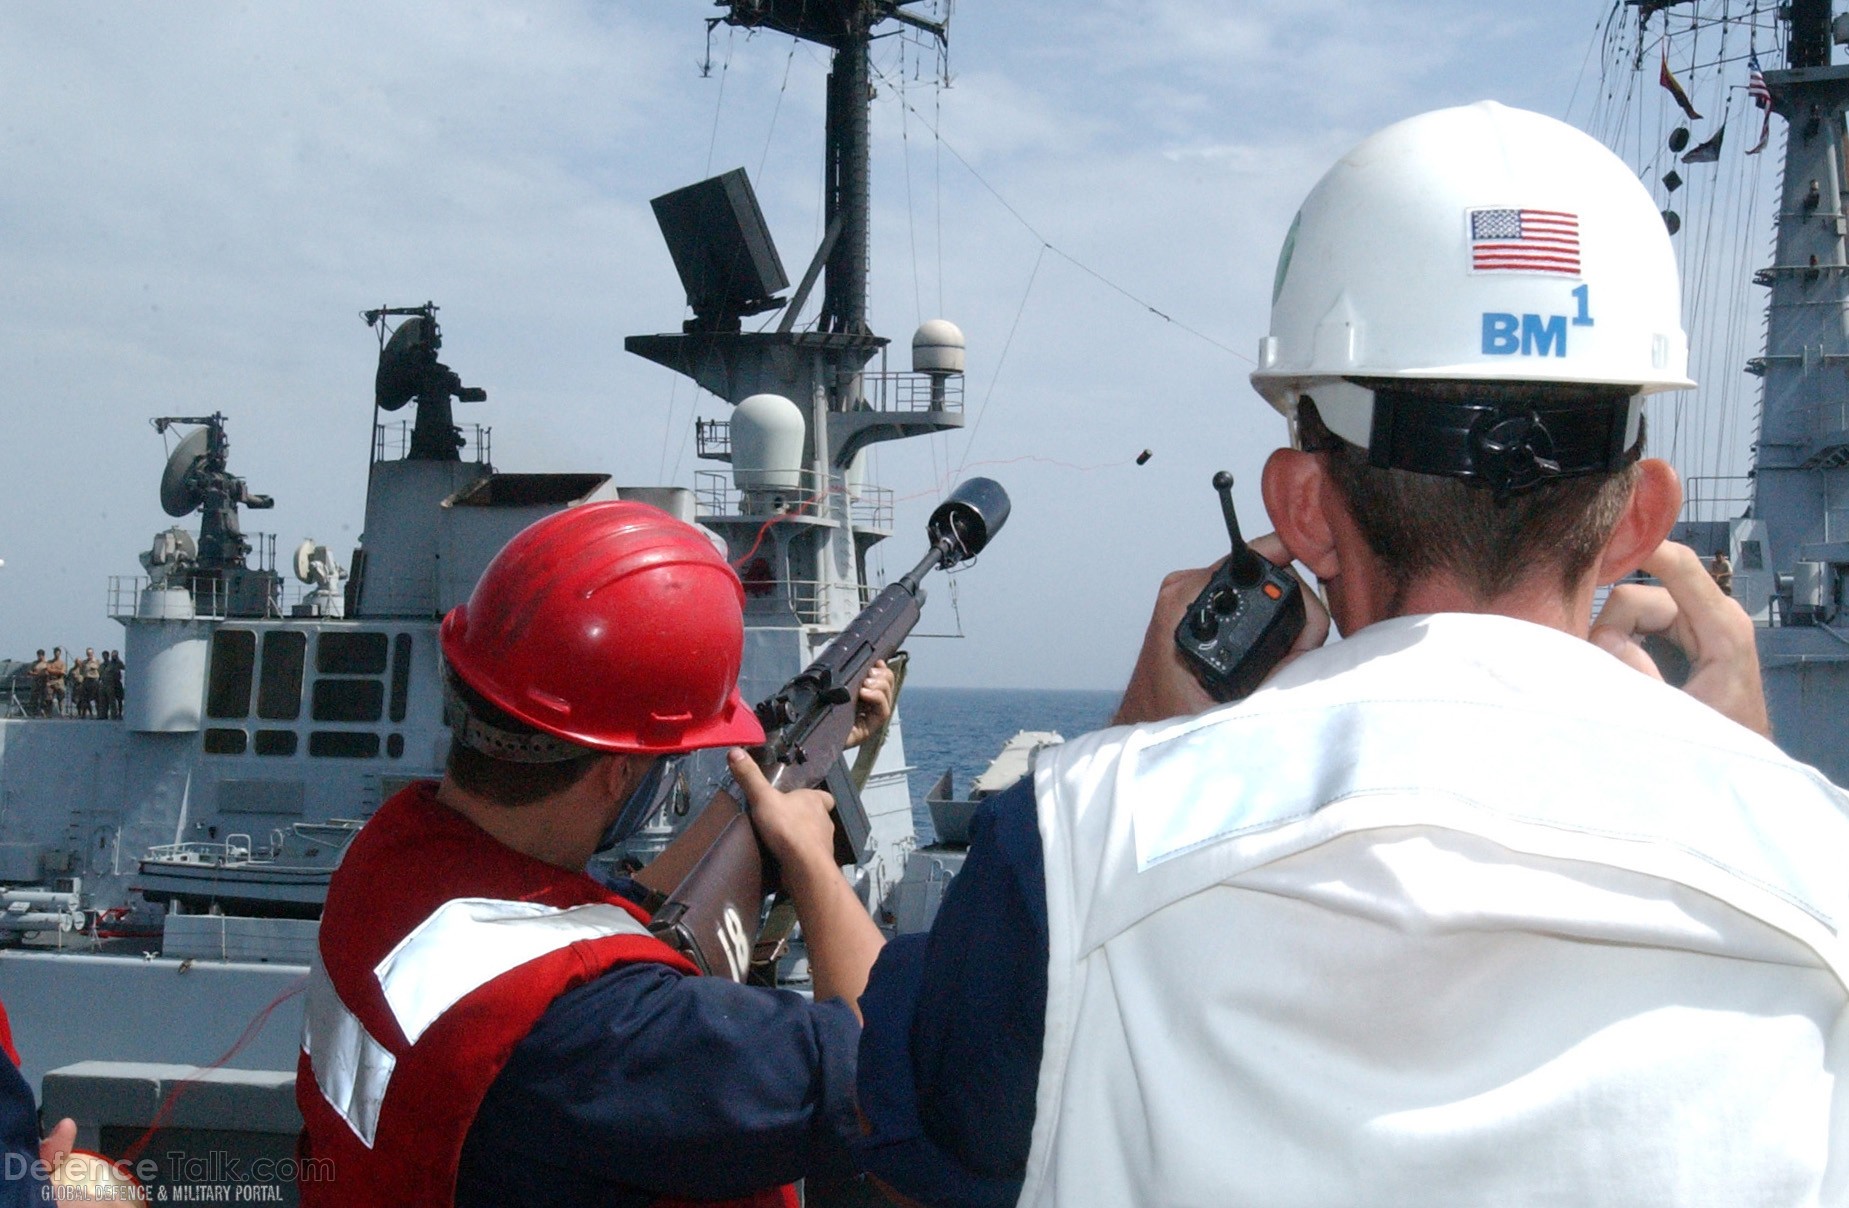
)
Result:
{"points": [[874, 707], [1709, 626], [1162, 685], [797, 827]]}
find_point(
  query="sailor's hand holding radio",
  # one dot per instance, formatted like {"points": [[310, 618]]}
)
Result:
{"points": [[1709, 626], [1162, 685]]}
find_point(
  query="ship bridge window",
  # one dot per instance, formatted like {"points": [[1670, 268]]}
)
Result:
{"points": [[274, 742], [529, 490], [279, 688], [1752, 556], [344, 744], [350, 654], [234, 657], [349, 700], [222, 741], [401, 674]]}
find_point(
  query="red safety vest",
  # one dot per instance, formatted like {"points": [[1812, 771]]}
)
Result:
{"points": [[6, 1037], [440, 949]]}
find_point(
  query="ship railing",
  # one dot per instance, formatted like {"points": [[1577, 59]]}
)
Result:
{"points": [[1711, 498], [809, 601], [234, 847], [211, 598], [893, 393], [870, 508], [815, 601], [812, 599], [392, 441], [712, 439], [911, 393]]}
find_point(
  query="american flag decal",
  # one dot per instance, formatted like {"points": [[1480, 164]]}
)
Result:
{"points": [[1524, 241]]}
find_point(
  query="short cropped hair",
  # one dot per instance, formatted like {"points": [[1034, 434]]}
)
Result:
{"points": [[502, 781], [1421, 524]]}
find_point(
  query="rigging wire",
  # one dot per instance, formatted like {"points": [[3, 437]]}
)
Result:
{"points": [[1001, 360], [725, 69], [937, 183], [1580, 79], [186, 1085], [911, 205], [1721, 208], [1050, 246], [775, 109], [712, 145]]}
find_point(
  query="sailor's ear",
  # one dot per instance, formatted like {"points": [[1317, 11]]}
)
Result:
{"points": [[629, 771], [1298, 495], [1649, 514], [616, 775]]}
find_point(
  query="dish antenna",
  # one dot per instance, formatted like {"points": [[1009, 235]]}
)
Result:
{"points": [[172, 551], [409, 371], [180, 493], [315, 566], [196, 479]]}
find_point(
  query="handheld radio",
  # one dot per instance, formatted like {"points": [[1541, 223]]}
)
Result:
{"points": [[1244, 620]]}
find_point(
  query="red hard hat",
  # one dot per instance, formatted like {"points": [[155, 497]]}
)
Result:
{"points": [[610, 625]]}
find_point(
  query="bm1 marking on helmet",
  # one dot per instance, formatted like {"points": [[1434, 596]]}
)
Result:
{"points": [[1506, 334]]}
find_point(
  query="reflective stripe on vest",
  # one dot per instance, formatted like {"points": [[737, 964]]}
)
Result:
{"points": [[352, 1069], [422, 978]]}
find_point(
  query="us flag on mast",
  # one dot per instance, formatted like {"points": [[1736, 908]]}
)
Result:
{"points": [[1762, 97], [1524, 241]]}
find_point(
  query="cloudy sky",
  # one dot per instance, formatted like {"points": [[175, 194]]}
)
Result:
{"points": [[198, 200]]}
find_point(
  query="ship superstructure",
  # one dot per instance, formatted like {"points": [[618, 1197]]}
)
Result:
{"points": [[1711, 108], [1791, 551]]}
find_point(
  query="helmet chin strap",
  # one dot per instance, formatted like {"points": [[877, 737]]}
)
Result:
{"points": [[1508, 447], [637, 805], [1481, 436]]}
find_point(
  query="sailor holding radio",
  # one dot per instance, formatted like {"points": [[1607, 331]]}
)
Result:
{"points": [[1461, 909]]}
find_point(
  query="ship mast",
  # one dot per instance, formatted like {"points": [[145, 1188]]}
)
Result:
{"points": [[809, 566], [1791, 551]]}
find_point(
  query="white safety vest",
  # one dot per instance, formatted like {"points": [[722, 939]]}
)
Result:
{"points": [[1459, 911]]}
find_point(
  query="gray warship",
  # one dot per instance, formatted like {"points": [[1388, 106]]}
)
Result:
{"points": [[161, 875], [1782, 520]]}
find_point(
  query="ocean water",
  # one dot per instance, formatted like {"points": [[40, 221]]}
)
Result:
{"points": [[964, 728]]}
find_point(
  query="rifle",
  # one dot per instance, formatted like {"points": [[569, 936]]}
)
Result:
{"points": [[714, 915]]}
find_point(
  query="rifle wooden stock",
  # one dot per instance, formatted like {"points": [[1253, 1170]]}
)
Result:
{"points": [[714, 914]]}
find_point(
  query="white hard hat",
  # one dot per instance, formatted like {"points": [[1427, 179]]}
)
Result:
{"points": [[1478, 243]]}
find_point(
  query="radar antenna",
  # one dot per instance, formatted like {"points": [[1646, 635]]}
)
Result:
{"points": [[170, 558], [409, 370], [316, 567], [196, 480]]}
